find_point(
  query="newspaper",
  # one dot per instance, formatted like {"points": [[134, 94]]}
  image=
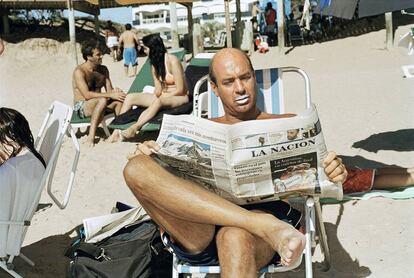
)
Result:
{"points": [[250, 161]]}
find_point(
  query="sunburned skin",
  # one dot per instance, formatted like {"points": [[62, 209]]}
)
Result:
{"points": [[231, 67]]}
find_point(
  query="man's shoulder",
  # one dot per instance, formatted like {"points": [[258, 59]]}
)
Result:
{"points": [[79, 69]]}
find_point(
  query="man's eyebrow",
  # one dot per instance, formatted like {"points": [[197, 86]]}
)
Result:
{"points": [[246, 74], [240, 76], [227, 79]]}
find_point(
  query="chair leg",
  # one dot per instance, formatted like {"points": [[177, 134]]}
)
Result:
{"points": [[310, 228], [323, 239], [105, 128], [8, 267], [26, 259], [175, 273]]}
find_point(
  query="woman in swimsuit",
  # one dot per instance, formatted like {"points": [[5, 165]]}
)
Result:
{"points": [[170, 88]]}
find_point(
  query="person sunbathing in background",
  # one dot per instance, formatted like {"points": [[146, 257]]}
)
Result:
{"points": [[87, 82], [19, 160], [170, 87]]}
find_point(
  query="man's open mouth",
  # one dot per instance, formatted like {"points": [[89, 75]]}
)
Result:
{"points": [[242, 100]]}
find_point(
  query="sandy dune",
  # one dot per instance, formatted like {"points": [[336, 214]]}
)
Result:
{"points": [[359, 91]]}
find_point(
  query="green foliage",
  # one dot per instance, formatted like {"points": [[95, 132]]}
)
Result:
{"points": [[210, 30]]}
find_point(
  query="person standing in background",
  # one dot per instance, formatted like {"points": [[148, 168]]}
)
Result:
{"points": [[129, 40], [111, 40], [270, 15]]}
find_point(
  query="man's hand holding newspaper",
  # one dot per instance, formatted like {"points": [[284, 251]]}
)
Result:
{"points": [[252, 161]]}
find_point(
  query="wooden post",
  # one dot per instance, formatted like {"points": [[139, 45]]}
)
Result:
{"points": [[97, 25], [174, 25], [389, 30], [197, 39], [280, 25], [228, 23], [190, 27], [72, 35], [6, 27], [239, 28]]}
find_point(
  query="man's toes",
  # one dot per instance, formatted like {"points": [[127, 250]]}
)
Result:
{"points": [[287, 254]]}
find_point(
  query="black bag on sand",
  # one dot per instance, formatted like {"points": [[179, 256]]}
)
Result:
{"points": [[134, 251]]}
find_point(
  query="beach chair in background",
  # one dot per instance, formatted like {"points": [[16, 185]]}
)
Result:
{"points": [[294, 33], [48, 142], [77, 123], [195, 69], [270, 98], [407, 42]]}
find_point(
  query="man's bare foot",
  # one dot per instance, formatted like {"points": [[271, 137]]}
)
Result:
{"points": [[90, 142], [284, 239], [116, 136]]}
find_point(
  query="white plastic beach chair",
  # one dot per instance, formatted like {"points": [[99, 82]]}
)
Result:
{"points": [[270, 99], [48, 143]]}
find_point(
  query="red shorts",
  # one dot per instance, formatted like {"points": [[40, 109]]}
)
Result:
{"points": [[358, 180]]}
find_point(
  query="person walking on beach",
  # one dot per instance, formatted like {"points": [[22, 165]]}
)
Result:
{"points": [[88, 80], [111, 40], [129, 41], [270, 15]]}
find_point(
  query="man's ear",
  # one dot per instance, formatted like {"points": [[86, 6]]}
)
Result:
{"points": [[214, 88]]}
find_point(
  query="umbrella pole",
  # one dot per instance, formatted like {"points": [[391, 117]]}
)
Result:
{"points": [[6, 27], [72, 38], [97, 25], [174, 25], [281, 25], [389, 30], [228, 23]]}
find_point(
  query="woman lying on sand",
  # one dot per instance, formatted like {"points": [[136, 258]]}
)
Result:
{"points": [[170, 88]]}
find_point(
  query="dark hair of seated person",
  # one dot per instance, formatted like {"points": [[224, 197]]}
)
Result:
{"points": [[15, 132]]}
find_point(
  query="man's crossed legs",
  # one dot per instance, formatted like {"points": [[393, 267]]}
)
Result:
{"points": [[246, 241]]}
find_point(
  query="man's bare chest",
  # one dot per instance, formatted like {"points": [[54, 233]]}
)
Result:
{"points": [[95, 80]]}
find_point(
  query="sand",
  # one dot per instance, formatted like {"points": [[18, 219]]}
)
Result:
{"points": [[359, 91]]}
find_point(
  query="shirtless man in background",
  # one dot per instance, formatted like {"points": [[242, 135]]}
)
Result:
{"points": [[129, 41], [87, 82]]}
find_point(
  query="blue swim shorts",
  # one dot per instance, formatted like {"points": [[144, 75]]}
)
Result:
{"points": [[209, 256], [130, 56]]}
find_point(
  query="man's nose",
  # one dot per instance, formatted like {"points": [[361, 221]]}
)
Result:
{"points": [[238, 86]]}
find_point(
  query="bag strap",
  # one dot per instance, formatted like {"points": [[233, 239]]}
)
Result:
{"points": [[91, 250], [157, 246]]}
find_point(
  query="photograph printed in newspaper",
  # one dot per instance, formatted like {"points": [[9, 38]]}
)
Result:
{"points": [[251, 161]]}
